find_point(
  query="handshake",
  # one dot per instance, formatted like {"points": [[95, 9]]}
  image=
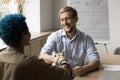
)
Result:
{"points": [[56, 59], [59, 59]]}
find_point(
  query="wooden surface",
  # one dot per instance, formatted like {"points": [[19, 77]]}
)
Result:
{"points": [[105, 59]]}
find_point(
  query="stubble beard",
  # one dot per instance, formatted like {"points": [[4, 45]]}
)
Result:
{"points": [[70, 30]]}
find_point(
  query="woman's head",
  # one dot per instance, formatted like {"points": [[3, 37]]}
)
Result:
{"points": [[12, 28]]}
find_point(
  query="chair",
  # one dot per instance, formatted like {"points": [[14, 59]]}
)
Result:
{"points": [[117, 51]]}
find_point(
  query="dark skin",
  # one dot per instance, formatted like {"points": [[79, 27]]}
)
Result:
{"points": [[25, 39]]}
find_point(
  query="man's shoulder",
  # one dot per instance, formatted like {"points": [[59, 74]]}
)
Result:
{"points": [[57, 33], [81, 33], [84, 35]]}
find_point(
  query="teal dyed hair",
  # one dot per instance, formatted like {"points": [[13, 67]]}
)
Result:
{"points": [[12, 27]]}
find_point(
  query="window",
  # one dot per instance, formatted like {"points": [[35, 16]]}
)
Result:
{"points": [[12, 6]]}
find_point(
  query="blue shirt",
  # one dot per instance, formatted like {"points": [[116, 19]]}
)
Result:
{"points": [[74, 49]]}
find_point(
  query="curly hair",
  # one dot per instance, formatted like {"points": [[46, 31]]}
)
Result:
{"points": [[12, 26]]}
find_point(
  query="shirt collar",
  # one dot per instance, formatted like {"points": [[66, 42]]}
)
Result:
{"points": [[64, 33]]}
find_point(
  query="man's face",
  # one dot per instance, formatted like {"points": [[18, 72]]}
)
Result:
{"points": [[68, 22]]}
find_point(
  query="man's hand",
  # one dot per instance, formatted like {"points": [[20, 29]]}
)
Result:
{"points": [[47, 58], [56, 58], [79, 71]]}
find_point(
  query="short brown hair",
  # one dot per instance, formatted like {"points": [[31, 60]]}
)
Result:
{"points": [[72, 11]]}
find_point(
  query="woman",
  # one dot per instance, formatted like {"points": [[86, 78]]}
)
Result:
{"points": [[15, 65]]}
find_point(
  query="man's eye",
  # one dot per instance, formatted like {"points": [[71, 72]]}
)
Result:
{"points": [[66, 19], [62, 20]]}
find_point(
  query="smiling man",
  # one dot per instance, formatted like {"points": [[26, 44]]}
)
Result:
{"points": [[73, 43]]}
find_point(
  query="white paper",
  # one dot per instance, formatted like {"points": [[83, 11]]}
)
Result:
{"points": [[111, 67]]}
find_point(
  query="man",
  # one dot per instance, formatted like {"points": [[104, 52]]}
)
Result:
{"points": [[71, 42]]}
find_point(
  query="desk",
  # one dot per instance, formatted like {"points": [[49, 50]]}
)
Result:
{"points": [[105, 59]]}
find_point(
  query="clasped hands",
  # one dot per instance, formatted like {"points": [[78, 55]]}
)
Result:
{"points": [[59, 59], [56, 58]]}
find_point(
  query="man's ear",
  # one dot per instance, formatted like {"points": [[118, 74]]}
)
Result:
{"points": [[76, 18]]}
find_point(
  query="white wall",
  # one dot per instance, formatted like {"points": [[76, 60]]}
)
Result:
{"points": [[32, 12], [114, 24], [58, 4], [42, 14], [114, 20], [39, 14], [46, 14]]}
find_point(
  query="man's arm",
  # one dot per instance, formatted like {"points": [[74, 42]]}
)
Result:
{"points": [[92, 65], [82, 70], [46, 57]]}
